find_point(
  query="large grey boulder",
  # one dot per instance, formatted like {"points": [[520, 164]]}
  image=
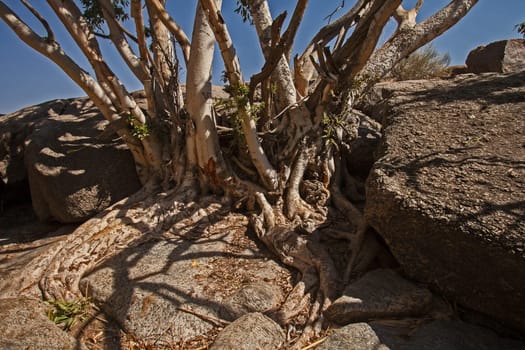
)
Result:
{"points": [[25, 326], [458, 335], [72, 172], [448, 191], [379, 294], [505, 56]]}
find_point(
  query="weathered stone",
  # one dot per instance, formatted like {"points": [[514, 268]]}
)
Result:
{"points": [[356, 336], [73, 174], [376, 103], [255, 297], [252, 331], [172, 290], [14, 130], [505, 56], [436, 335], [457, 335], [24, 325], [448, 192], [380, 293], [361, 158]]}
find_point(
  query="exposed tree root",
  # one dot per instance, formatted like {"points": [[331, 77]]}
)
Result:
{"points": [[298, 242], [300, 247], [54, 274]]}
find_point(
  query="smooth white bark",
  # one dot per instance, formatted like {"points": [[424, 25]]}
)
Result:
{"points": [[199, 102]]}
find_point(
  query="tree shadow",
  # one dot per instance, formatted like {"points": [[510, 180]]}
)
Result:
{"points": [[493, 89], [164, 278], [448, 162]]}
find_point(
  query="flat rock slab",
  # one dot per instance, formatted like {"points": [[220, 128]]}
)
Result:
{"points": [[448, 191], [437, 335], [24, 325], [256, 297], [252, 331], [379, 294], [355, 336], [167, 290]]}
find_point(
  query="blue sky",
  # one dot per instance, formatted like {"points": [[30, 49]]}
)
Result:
{"points": [[29, 78]]}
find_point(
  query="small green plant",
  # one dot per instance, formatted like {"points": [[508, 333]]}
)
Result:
{"points": [[330, 125], [241, 93], [138, 130], [65, 313]]}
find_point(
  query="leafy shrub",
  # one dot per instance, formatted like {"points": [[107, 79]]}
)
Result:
{"points": [[425, 63]]}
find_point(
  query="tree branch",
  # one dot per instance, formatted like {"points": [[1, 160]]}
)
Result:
{"points": [[407, 18], [145, 57], [116, 35], [172, 26], [233, 71], [281, 74], [77, 26], [277, 50], [54, 52], [303, 67], [361, 44], [403, 43], [163, 55], [293, 26], [50, 35]]}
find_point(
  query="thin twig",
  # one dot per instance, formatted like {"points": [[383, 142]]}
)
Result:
{"points": [[215, 320], [314, 344], [329, 17], [285, 109]]}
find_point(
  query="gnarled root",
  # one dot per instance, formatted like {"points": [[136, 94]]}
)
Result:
{"points": [[54, 273], [301, 249], [295, 234]]}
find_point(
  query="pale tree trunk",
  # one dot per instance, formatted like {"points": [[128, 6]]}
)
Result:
{"points": [[165, 87], [409, 38], [282, 76], [173, 27], [199, 102], [294, 119]]}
